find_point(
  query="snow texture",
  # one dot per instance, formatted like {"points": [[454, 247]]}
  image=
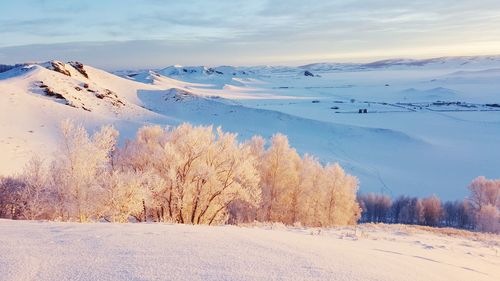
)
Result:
{"points": [[69, 251]]}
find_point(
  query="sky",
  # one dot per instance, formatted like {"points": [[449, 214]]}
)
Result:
{"points": [[119, 34]]}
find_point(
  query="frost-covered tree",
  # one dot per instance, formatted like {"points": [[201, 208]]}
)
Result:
{"points": [[240, 211], [149, 154], [485, 202], [484, 192], [185, 174], [34, 193], [80, 161], [122, 196], [279, 179], [301, 190], [341, 188], [488, 219], [199, 172], [257, 147], [308, 208]]}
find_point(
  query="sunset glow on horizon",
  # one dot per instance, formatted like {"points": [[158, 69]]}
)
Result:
{"points": [[158, 33]]}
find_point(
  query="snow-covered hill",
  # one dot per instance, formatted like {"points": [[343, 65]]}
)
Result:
{"points": [[468, 62], [68, 251], [430, 126], [35, 98]]}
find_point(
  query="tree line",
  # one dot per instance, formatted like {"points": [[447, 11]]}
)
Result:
{"points": [[185, 174], [201, 175], [479, 211]]}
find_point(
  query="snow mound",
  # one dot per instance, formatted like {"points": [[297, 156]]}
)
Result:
{"points": [[74, 90], [35, 98], [177, 70]]}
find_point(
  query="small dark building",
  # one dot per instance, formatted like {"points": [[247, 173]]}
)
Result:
{"points": [[308, 73]]}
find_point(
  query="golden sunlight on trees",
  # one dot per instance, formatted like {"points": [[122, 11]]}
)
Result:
{"points": [[185, 174], [201, 175]]}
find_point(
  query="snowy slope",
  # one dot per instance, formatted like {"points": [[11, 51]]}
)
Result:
{"points": [[30, 116], [68, 251], [431, 126], [428, 130]]}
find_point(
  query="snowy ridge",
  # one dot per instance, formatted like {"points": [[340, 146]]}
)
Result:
{"points": [[34, 99], [87, 88], [205, 73], [466, 62]]}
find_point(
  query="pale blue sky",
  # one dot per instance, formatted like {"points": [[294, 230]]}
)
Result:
{"points": [[153, 33]]}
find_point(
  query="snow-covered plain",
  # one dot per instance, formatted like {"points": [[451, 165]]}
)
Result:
{"points": [[431, 125], [49, 251]]}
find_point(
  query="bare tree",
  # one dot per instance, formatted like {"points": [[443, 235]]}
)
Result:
{"points": [[376, 207], [432, 210], [10, 202]]}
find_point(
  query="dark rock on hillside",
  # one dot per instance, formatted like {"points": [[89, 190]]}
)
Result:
{"points": [[59, 67], [79, 67], [50, 93], [108, 94], [178, 95]]}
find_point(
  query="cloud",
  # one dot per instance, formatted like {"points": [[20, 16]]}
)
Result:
{"points": [[262, 28]]}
